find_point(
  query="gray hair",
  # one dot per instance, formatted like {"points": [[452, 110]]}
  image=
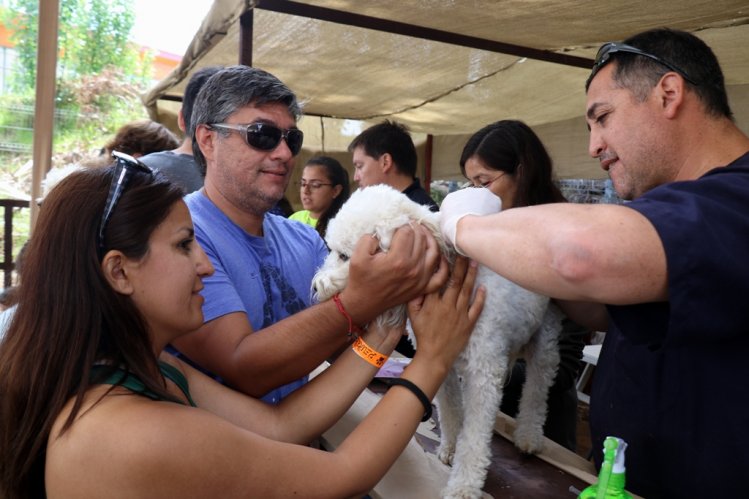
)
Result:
{"points": [[233, 88]]}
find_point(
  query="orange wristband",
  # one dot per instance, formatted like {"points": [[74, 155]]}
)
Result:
{"points": [[368, 353]]}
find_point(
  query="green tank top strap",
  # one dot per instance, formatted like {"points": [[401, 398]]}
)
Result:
{"points": [[174, 374], [127, 380]]}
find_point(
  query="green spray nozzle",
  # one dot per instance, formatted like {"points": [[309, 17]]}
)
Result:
{"points": [[611, 478]]}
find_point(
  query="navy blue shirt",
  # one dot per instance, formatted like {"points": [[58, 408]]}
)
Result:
{"points": [[673, 377], [417, 194]]}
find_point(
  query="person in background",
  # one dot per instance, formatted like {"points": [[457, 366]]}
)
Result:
{"points": [[139, 138], [106, 401], [385, 154], [178, 163], [6, 315], [324, 187], [664, 274], [260, 335], [8, 299], [8, 304], [509, 159]]}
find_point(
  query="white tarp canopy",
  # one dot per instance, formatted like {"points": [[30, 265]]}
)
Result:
{"points": [[444, 67]]}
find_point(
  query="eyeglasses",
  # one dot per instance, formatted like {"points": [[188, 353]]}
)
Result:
{"points": [[608, 49], [486, 185], [313, 185], [125, 167], [266, 137]]}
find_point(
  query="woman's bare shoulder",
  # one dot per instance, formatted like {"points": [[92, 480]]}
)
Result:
{"points": [[134, 445]]}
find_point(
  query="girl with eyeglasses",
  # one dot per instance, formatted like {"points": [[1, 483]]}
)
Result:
{"points": [[323, 189], [90, 406]]}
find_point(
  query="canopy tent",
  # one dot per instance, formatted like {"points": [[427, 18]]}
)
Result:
{"points": [[444, 68]]}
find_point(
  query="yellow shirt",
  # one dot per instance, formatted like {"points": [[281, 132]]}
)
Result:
{"points": [[304, 217]]}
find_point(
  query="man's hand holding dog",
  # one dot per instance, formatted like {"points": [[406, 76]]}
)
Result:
{"points": [[380, 280]]}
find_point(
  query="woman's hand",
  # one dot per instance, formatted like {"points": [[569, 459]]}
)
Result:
{"points": [[443, 321]]}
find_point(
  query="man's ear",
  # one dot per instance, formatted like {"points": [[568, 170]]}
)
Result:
{"points": [[386, 162], [670, 90], [181, 122], [205, 138], [113, 267]]}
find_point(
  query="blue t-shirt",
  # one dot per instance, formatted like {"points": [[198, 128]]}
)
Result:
{"points": [[269, 278], [673, 377]]}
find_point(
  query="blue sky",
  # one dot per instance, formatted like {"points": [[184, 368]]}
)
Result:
{"points": [[168, 25]]}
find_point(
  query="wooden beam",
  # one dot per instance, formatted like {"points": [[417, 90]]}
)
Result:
{"points": [[44, 107], [412, 30], [246, 22], [428, 147]]}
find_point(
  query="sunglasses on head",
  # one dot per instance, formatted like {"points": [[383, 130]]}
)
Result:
{"points": [[609, 49], [124, 168], [266, 137]]}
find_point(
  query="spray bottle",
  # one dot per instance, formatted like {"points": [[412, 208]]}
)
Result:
{"points": [[611, 478]]}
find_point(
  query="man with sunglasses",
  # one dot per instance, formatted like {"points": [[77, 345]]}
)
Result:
{"points": [[259, 335], [665, 274]]}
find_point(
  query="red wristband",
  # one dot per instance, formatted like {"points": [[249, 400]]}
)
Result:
{"points": [[353, 329]]}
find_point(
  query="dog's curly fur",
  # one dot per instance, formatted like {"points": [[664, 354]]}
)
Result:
{"points": [[514, 323]]}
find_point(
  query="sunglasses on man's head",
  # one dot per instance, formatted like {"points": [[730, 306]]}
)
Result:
{"points": [[609, 49], [124, 168], [266, 137]]}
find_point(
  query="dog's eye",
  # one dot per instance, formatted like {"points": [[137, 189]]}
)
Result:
{"points": [[344, 258]]}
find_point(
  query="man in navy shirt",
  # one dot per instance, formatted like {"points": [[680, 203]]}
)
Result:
{"points": [[664, 274], [385, 154]]}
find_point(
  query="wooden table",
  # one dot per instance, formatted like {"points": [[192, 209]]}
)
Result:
{"points": [[418, 474]]}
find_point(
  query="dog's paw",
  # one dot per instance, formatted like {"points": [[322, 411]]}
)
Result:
{"points": [[461, 492], [529, 441], [445, 453]]}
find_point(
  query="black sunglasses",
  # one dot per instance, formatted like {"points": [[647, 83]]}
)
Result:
{"points": [[608, 49], [266, 137], [124, 168]]}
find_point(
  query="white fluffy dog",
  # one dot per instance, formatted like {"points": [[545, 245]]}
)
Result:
{"points": [[514, 323]]}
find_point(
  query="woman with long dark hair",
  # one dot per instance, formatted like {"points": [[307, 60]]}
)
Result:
{"points": [[509, 159], [90, 406]]}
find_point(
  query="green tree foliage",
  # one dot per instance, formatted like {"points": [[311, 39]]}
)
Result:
{"points": [[93, 35], [100, 74]]}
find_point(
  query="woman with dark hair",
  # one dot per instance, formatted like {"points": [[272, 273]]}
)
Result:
{"points": [[90, 405], [139, 138], [323, 188], [509, 159]]}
